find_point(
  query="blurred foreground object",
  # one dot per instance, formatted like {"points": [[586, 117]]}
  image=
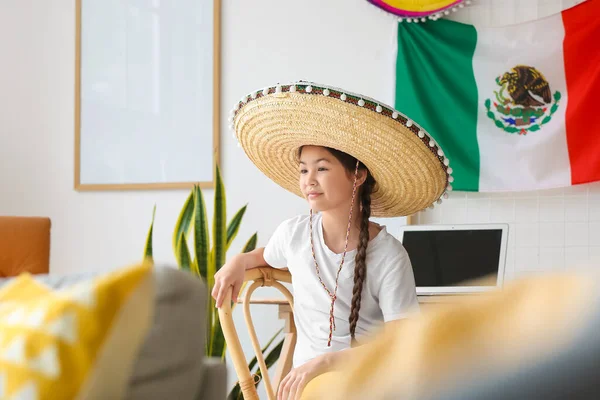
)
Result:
{"points": [[537, 338]]}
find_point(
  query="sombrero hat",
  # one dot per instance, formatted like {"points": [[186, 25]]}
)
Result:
{"points": [[409, 167]]}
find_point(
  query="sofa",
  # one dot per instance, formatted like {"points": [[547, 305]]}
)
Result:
{"points": [[24, 245], [170, 363]]}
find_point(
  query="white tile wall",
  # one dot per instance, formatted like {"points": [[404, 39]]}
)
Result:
{"points": [[548, 230]]}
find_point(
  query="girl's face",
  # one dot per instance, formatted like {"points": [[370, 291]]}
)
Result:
{"points": [[324, 181]]}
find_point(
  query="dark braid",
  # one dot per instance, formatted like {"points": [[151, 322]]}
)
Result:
{"points": [[360, 263]]}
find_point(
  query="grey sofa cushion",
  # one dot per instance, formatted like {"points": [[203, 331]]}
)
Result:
{"points": [[215, 380], [171, 362]]}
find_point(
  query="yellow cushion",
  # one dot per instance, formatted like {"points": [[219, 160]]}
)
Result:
{"points": [[74, 342], [315, 385]]}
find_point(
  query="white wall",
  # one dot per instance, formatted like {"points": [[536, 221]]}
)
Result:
{"points": [[508, 12]]}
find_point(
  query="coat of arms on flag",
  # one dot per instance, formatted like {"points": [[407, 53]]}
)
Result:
{"points": [[523, 102]]}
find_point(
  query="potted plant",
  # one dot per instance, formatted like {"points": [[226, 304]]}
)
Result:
{"points": [[196, 252]]}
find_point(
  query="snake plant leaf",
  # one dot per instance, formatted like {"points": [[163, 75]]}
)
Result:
{"points": [[251, 243], [235, 393], [248, 247], [184, 221], [201, 239], [264, 349], [211, 303], [183, 254], [274, 354], [219, 225], [194, 268], [234, 225], [218, 252], [270, 359], [216, 256], [218, 347], [148, 248]]}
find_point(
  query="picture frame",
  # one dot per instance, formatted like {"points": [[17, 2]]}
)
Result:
{"points": [[147, 94]]}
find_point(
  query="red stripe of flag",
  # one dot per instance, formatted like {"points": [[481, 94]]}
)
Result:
{"points": [[581, 48]]}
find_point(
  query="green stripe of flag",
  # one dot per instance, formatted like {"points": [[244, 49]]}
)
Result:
{"points": [[435, 86]]}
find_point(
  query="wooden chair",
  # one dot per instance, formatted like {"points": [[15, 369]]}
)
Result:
{"points": [[271, 277], [255, 278]]}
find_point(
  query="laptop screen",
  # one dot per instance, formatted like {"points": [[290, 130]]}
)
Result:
{"points": [[453, 257]]}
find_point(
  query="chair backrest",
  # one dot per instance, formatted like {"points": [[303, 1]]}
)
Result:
{"points": [[24, 245], [257, 277]]}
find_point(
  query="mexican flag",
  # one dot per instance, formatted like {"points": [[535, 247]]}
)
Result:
{"points": [[514, 107]]}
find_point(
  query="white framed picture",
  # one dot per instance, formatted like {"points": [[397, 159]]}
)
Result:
{"points": [[146, 94]]}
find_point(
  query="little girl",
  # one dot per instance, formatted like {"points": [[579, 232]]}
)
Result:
{"points": [[351, 158]]}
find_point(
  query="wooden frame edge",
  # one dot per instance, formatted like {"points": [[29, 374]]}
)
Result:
{"points": [[77, 98]]}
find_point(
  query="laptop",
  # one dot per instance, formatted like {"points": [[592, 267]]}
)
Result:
{"points": [[456, 259]]}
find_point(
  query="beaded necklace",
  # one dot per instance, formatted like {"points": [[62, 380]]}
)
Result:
{"points": [[333, 296]]}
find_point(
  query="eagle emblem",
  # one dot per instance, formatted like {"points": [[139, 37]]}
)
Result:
{"points": [[523, 102]]}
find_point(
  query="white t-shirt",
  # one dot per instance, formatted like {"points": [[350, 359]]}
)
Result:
{"points": [[389, 291]]}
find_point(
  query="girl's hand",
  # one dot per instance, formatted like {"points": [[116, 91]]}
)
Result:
{"points": [[293, 384], [230, 275]]}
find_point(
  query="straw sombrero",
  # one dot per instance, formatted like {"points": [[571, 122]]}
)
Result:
{"points": [[411, 170]]}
